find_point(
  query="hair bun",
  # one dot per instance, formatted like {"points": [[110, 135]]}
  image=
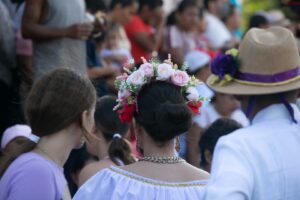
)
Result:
{"points": [[172, 120]]}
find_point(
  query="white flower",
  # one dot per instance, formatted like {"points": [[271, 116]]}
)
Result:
{"points": [[193, 94], [123, 94], [148, 69], [136, 78], [164, 71]]}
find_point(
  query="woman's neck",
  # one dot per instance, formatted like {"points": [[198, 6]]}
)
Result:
{"points": [[102, 150], [56, 147], [152, 149]]}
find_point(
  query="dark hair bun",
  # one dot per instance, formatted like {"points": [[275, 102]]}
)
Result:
{"points": [[173, 119], [162, 111]]}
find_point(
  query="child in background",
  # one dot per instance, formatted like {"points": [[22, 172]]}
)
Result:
{"points": [[198, 65], [202, 41], [210, 138], [109, 144], [112, 53]]}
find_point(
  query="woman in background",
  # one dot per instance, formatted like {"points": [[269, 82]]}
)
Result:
{"points": [[59, 109]]}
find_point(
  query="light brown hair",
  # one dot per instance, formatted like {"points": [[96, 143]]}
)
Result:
{"points": [[55, 101]]}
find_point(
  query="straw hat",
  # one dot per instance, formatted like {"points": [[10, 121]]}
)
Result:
{"points": [[269, 63]]}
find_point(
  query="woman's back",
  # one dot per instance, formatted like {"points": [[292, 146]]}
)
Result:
{"points": [[180, 172], [150, 181]]}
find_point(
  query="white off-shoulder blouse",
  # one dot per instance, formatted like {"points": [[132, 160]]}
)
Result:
{"points": [[114, 183]]}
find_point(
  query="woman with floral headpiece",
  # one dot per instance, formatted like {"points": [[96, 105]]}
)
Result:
{"points": [[161, 99]]}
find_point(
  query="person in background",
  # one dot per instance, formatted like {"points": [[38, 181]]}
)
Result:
{"points": [[202, 41], [278, 18], [261, 161], [145, 29], [7, 65], [78, 159], [221, 106], [13, 132], [198, 63], [120, 13], [59, 109], [58, 30], [211, 135], [180, 36], [112, 53], [232, 19], [216, 32], [15, 139], [101, 72], [24, 51], [98, 71], [111, 146], [259, 20]]}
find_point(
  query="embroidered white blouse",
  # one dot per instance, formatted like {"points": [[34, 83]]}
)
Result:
{"points": [[114, 183], [260, 162]]}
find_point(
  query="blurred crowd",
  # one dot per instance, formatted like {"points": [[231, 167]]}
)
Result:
{"points": [[101, 38]]}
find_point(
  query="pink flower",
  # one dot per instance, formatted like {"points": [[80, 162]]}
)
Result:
{"points": [[122, 77], [136, 78], [180, 78], [164, 71], [123, 94], [193, 94], [147, 68]]}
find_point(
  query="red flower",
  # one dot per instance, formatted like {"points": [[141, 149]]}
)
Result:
{"points": [[126, 112], [195, 106]]}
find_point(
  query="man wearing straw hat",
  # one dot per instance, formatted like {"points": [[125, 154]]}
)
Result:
{"points": [[261, 161]]}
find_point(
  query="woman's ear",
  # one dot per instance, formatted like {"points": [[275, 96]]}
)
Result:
{"points": [[88, 121], [94, 129]]}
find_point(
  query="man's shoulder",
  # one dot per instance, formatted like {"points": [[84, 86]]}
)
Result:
{"points": [[243, 135]]}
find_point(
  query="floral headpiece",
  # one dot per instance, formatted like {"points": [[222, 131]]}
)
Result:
{"points": [[130, 83], [225, 66]]}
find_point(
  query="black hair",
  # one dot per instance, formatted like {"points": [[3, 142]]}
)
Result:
{"points": [[201, 13], [109, 124], [206, 3], [77, 160], [257, 20], [228, 12], [194, 73], [219, 128], [185, 4], [123, 3], [95, 5], [152, 4], [162, 111]]}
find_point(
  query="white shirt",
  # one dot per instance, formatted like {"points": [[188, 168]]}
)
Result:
{"points": [[217, 33], [208, 115], [181, 39], [115, 183], [260, 162]]}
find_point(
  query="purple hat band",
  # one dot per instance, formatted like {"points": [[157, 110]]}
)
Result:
{"points": [[275, 78]]}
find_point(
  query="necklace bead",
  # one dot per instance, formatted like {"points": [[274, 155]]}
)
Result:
{"points": [[162, 159]]}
